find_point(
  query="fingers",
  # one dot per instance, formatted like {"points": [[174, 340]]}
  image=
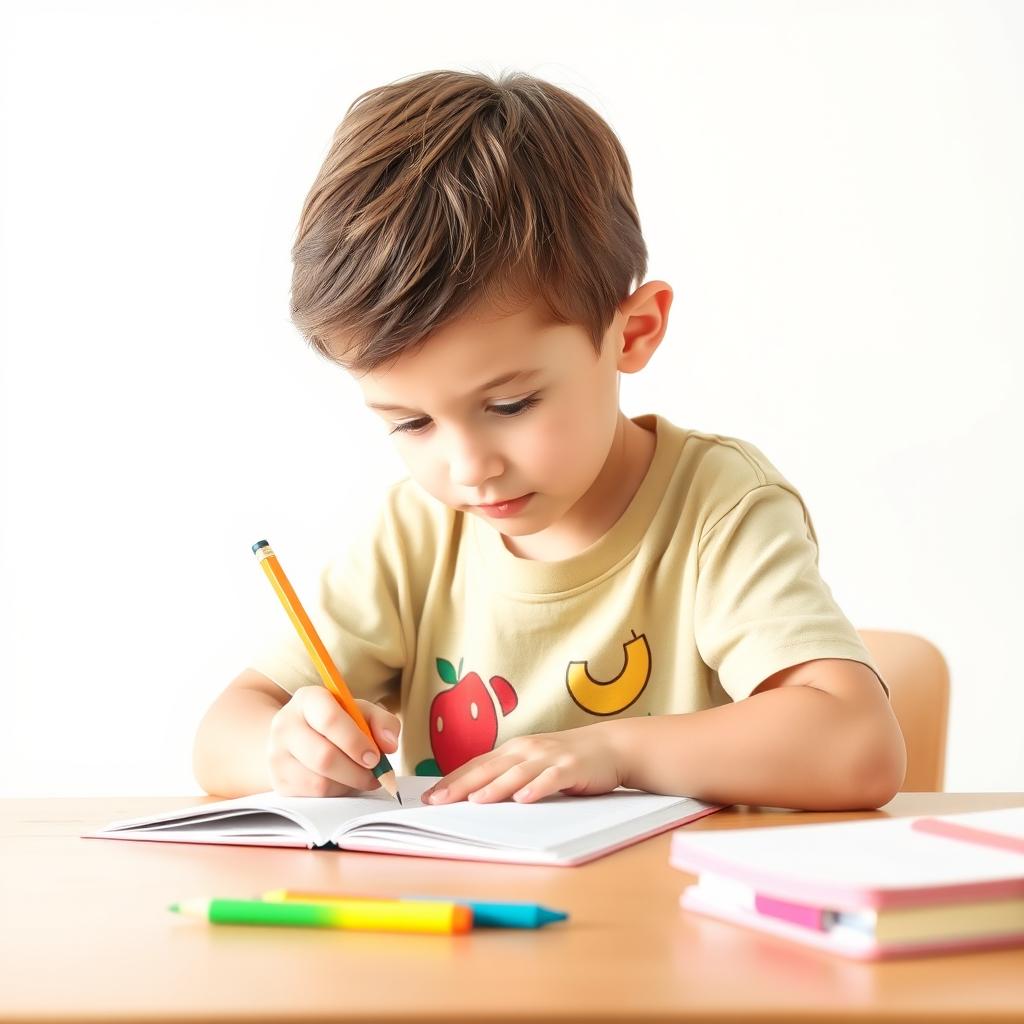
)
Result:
{"points": [[526, 783], [383, 724], [524, 769], [547, 782], [291, 778], [519, 778], [316, 749], [328, 718], [322, 757], [464, 780], [495, 778]]}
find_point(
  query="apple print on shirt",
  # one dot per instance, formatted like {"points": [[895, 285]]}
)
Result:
{"points": [[462, 721]]}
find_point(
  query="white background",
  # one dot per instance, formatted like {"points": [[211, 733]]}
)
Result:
{"points": [[832, 189]]}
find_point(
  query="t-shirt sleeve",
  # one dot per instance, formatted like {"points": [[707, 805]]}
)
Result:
{"points": [[761, 605], [357, 613]]}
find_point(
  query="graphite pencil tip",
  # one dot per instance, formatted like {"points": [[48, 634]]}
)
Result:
{"points": [[387, 778]]}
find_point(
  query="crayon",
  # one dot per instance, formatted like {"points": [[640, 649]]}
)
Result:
{"points": [[486, 914], [351, 915]]}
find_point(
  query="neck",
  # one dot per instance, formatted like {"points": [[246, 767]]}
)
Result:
{"points": [[629, 458]]}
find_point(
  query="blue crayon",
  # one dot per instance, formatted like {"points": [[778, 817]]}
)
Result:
{"points": [[502, 915]]}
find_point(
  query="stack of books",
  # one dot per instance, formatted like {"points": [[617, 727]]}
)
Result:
{"points": [[868, 889]]}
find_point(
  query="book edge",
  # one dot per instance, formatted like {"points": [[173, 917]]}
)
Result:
{"points": [[577, 851], [871, 950]]}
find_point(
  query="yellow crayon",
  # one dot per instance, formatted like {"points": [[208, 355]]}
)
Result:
{"points": [[354, 915]]}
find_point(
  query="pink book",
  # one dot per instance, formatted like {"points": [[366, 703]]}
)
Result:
{"points": [[873, 888]]}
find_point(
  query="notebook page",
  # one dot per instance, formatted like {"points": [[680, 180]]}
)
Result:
{"points": [[549, 824], [270, 815], [219, 818], [250, 823], [558, 824], [330, 814]]}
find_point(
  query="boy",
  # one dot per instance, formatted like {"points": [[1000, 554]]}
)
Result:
{"points": [[559, 598]]}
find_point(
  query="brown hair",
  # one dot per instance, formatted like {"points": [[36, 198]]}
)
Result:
{"points": [[448, 188]]}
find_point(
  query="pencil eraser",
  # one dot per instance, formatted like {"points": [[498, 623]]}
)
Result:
{"points": [[260, 544]]}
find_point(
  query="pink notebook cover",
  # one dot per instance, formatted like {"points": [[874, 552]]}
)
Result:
{"points": [[951, 829], [889, 862]]}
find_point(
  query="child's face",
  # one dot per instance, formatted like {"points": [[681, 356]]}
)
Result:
{"points": [[547, 435]]}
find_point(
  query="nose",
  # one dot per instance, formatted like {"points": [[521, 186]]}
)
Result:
{"points": [[472, 458]]}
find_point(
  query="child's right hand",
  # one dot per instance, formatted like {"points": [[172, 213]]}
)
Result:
{"points": [[315, 749]]}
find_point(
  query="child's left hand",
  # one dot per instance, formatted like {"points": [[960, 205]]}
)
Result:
{"points": [[578, 761]]}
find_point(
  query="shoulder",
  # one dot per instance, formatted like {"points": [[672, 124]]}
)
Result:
{"points": [[720, 473], [401, 536], [415, 520], [736, 463]]}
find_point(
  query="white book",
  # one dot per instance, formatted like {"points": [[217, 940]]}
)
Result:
{"points": [[559, 830]]}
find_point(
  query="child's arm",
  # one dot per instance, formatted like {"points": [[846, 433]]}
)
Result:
{"points": [[255, 738], [818, 736]]}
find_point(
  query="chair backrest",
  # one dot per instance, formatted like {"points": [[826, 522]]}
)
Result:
{"points": [[918, 680]]}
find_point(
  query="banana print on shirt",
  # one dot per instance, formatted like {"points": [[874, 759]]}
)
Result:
{"points": [[610, 696]]}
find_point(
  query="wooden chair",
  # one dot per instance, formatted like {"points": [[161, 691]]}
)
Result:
{"points": [[918, 679]]}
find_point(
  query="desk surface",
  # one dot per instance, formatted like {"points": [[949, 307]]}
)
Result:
{"points": [[85, 934]]}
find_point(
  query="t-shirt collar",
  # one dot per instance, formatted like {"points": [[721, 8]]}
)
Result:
{"points": [[512, 574]]}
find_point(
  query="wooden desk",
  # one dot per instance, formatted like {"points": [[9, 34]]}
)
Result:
{"points": [[85, 935]]}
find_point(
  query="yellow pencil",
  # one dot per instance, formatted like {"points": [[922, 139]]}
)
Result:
{"points": [[321, 659]]}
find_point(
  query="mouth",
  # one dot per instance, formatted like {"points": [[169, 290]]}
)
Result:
{"points": [[509, 507]]}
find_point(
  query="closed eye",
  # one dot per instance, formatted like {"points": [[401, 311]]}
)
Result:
{"points": [[515, 409]]}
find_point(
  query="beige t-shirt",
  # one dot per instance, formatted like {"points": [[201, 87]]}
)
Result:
{"points": [[706, 585]]}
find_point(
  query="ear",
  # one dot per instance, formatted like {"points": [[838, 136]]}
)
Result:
{"points": [[644, 318]]}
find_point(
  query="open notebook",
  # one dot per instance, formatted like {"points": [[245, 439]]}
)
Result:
{"points": [[561, 830]]}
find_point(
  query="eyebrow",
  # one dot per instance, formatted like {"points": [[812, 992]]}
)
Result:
{"points": [[505, 378]]}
